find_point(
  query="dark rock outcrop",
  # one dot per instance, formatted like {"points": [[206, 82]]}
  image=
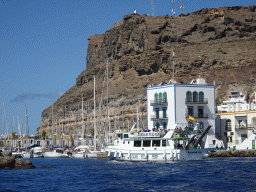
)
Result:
{"points": [[8, 161], [232, 153]]}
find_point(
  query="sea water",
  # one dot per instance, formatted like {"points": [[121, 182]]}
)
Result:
{"points": [[67, 174]]}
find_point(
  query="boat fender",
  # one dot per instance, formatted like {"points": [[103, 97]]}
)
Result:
{"points": [[83, 155], [86, 156], [109, 153], [120, 154], [115, 154]]}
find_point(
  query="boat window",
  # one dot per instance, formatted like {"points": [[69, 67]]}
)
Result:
{"points": [[137, 143], [164, 143], [126, 136], [119, 135], [155, 143], [146, 143]]}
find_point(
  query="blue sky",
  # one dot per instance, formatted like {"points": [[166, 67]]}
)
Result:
{"points": [[43, 46]]}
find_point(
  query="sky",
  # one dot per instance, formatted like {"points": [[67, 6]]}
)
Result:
{"points": [[43, 47]]}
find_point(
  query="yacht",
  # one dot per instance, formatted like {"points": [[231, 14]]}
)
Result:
{"points": [[180, 144], [83, 151], [35, 152]]}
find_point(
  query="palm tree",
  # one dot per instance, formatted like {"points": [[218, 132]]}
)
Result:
{"points": [[44, 135], [13, 135]]}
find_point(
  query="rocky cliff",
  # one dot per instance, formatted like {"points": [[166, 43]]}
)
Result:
{"points": [[217, 44]]}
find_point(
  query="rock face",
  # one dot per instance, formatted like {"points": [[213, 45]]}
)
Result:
{"points": [[8, 161], [218, 44]]}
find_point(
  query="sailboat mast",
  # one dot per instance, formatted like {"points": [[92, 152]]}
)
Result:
{"points": [[83, 118], [94, 119], [107, 106], [3, 121]]}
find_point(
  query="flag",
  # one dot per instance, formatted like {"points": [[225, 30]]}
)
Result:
{"points": [[191, 118]]}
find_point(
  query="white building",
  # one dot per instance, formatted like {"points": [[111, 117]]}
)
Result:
{"points": [[237, 128], [170, 105]]}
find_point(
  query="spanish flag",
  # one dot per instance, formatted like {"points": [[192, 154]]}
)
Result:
{"points": [[191, 118]]}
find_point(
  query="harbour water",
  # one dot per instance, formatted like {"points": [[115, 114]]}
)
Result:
{"points": [[214, 174]]}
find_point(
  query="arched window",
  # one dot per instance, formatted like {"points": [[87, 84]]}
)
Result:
{"points": [[188, 95], [228, 125], [160, 98], [156, 98], [195, 96], [201, 96], [165, 125], [157, 125], [165, 97]]}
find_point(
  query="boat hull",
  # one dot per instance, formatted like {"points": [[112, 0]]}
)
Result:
{"points": [[84, 155], [150, 155], [53, 155], [35, 155]]}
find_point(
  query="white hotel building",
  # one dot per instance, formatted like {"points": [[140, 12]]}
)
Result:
{"points": [[170, 105]]}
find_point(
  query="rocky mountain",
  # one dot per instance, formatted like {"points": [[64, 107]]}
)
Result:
{"points": [[218, 44]]}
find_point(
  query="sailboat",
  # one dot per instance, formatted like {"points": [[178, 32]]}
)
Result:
{"points": [[84, 151]]}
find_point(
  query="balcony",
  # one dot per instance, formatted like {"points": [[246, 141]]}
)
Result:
{"points": [[198, 101], [153, 102], [198, 116], [243, 127], [158, 117], [228, 128]]}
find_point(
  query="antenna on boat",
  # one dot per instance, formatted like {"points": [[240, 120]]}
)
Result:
{"points": [[181, 6], [152, 8], [173, 9]]}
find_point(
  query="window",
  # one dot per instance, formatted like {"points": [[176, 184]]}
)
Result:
{"points": [[201, 125], [190, 111], [228, 125], [157, 113], [165, 125], [146, 143], [164, 143], [164, 112], [137, 143], [190, 124], [201, 97], [157, 125], [165, 97], [213, 142], [160, 97], [188, 96], [126, 136], [155, 143], [200, 112], [156, 98], [195, 96]]}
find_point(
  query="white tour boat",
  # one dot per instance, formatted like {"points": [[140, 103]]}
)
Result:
{"points": [[175, 145]]}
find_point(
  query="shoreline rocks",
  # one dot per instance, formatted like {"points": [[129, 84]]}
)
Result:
{"points": [[232, 153], [8, 161]]}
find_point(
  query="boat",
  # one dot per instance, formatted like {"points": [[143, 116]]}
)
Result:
{"points": [[36, 152], [177, 145], [83, 151], [55, 153]]}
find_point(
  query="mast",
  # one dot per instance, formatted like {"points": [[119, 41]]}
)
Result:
{"points": [[12, 124], [3, 121], [173, 10], [52, 125], [181, 6], [83, 118], [94, 119], [26, 121], [173, 54], [108, 129]]}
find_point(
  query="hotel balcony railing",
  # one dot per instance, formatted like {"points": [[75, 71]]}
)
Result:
{"points": [[243, 127], [197, 101], [153, 103], [159, 117], [198, 116]]}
